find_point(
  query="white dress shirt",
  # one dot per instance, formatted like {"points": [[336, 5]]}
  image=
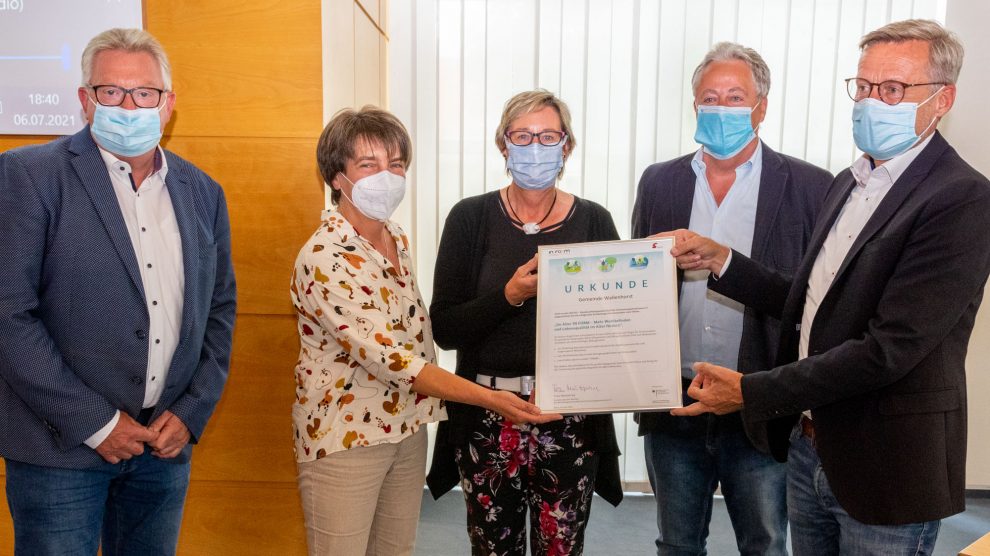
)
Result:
{"points": [[872, 185], [154, 234], [711, 325]]}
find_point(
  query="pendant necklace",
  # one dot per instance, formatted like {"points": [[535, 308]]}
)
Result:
{"points": [[529, 228]]}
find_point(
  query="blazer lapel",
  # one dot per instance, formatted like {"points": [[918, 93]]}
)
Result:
{"points": [[840, 189], [185, 217], [682, 195], [836, 199], [773, 180], [95, 179]]}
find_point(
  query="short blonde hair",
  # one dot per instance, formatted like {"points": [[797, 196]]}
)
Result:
{"points": [[129, 40], [533, 101], [340, 136], [945, 52]]}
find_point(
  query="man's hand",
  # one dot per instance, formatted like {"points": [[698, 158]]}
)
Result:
{"points": [[172, 435], [522, 285], [510, 406], [126, 440], [717, 389], [695, 252]]}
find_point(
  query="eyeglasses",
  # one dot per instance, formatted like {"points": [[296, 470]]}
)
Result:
{"points": [[547, 138], [891, 92], [112, 95]]}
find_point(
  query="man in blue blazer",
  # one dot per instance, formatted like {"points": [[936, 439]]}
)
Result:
{"points": [[764, 204], [867, 397], [117, 304]]}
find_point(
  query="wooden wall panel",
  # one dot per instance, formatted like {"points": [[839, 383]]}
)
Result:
{"points": [[6, 525], [275, 196], [256, 519], [10, 141], [242, 68], [249, 438]]}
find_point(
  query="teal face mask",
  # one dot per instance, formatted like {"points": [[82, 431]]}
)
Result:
{"points": [[724, 131], [884, 131], [127, 132], [535, 166]]}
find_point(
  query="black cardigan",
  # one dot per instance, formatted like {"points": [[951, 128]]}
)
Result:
{"points": [[460, 317]]}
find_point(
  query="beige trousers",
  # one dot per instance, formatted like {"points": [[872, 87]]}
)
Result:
{"points": [[364, 501]]}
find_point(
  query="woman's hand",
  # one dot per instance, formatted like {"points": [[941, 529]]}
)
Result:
{"points": [[512, 407], [522, 285]]}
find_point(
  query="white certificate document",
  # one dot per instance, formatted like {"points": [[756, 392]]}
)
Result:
{"points": [[607, 327]]}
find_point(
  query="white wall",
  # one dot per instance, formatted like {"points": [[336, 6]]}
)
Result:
{"points": [[624, 68], [966, 128]]}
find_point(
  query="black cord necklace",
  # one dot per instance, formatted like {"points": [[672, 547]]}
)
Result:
{"points": [[529, 227]]}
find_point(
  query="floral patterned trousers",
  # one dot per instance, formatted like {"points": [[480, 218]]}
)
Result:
{"points": [[506, 469]]}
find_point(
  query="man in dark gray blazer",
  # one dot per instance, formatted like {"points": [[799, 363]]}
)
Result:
{"points": [[876, 319], [763, 203], [117, 304]]}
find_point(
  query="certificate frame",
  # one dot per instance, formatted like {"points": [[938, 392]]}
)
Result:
{"points": [[607, 332]]}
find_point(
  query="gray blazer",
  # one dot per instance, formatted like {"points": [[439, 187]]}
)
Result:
{"points": [[73, 319]]}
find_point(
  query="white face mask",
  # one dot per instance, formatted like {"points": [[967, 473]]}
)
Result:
{"points": [[378, 195]]}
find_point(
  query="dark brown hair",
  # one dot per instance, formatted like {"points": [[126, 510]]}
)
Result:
{"points": [[339, 137]]}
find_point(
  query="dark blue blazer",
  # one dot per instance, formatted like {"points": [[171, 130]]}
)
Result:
{"points": [[885, 376], [791, 193], [73, 319]]}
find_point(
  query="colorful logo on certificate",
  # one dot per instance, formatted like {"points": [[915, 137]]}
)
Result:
{"points": [[606, 264], [572, 266], [639, 262]]}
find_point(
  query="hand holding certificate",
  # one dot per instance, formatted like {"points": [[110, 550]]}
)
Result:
{"points": [[607, 328]]}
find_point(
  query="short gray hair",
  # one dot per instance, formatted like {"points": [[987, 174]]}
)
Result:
{"points": [[731, 51], [130, 40], [945, 52]]}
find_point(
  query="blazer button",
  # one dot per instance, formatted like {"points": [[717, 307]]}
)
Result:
{"points": [[137, 380], [141, 334]]}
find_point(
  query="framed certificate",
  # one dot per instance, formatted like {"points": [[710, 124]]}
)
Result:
{"points": [[607, 327]]}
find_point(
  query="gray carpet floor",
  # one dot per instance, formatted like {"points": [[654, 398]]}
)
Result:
{"points": [[631, 527]]}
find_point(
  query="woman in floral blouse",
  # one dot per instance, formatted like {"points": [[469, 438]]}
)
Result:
{"points": [[366, 379]]}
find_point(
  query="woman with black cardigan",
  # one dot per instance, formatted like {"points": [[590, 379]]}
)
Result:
{"points": [[484, 307]]}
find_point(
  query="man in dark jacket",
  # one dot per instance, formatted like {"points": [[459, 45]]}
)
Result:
{"points": [[764, 204]]}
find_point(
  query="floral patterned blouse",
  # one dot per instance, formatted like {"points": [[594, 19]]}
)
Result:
{"points": [[364, 336]]}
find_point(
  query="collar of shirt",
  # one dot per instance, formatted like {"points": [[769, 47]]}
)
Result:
{"points": [[887, 173], [752, 166], [118, 167], [348, 232]]}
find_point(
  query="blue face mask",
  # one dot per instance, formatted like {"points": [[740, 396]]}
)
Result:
{"points": [[724, 131], [127, 132], [884, 131], [535, 166]]}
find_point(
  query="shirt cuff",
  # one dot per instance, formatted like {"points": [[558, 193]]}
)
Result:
{"points": [[725, 265], [102, 434]]}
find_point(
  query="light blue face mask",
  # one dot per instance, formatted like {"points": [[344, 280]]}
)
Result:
{"points": [[535, 166], [724, 131], [127, 132], [884, 131]]}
